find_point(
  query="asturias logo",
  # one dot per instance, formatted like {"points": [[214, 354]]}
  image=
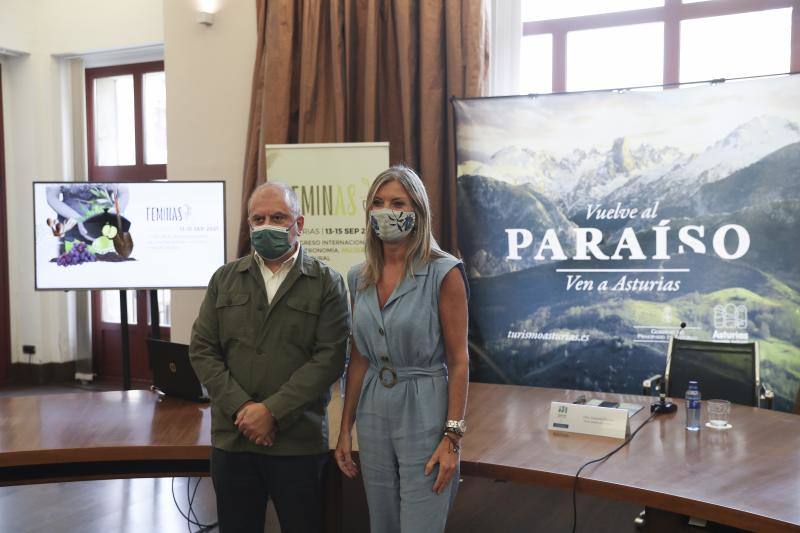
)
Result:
{"points": [[729, 320]]}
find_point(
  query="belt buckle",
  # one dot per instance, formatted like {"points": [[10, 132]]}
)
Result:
{"points": [[393, 376]]}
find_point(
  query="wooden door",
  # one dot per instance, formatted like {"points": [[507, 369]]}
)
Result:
{"points": [[130, 163]]}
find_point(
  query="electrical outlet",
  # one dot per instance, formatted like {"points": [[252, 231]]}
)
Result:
{"points": [[29, 349]]}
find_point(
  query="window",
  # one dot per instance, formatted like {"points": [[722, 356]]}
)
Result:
{"points": [[126, 122], [111, 311], [155, 118], [164, 308], [110, 308], [115, 140], [766, 50], [622, 56], [127, 140], [585, 44], [536, 68]]}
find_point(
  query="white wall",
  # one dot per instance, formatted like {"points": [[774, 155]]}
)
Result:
{"points": [[16, 21], [208, 70], [36, 102]]}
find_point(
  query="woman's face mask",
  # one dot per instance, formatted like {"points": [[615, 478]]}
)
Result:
{"points": [[390, 225]]}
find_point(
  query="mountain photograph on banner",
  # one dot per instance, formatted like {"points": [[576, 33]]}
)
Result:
{"points": [[593, 224]]}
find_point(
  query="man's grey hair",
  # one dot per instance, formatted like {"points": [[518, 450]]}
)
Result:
{"points": [[291, 196]]}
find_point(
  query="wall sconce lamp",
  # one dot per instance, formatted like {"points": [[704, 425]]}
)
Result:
{"points": [[205, 18]]}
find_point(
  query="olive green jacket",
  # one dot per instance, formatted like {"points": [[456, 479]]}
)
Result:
{"points": [[285, 355]]}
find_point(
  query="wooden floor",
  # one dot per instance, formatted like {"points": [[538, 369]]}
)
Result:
{"points": [[144, 505], [139, 505], [119, 505]]}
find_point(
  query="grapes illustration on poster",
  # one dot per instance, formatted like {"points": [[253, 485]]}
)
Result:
{"points": [[92, 212]]}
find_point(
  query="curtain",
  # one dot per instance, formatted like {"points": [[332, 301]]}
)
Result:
{"points": [[367, 70]]}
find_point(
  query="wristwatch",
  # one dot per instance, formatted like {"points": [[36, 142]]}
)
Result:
{"points": [[455, 426]]}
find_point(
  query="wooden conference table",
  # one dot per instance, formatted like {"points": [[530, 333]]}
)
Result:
{"points": [[747, 477]]}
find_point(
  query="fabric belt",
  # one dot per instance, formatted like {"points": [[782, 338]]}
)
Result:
{"points": [[389, 375]]}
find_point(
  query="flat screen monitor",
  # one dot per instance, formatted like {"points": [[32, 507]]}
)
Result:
{"points": [[128, 235]]}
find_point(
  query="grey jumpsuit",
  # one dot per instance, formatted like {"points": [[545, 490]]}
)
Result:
{"points": [[400, 425]]}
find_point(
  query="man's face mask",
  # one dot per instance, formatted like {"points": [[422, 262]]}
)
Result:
{"points": [[271, 242], [390, 225]]}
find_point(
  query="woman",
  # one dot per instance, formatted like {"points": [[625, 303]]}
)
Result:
{"points": [[408, 370]]}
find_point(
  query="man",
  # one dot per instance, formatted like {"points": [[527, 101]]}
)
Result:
{"points": [[268, 343]]}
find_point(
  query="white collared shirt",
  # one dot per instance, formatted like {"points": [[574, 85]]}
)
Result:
{"points": [[273, 280]]}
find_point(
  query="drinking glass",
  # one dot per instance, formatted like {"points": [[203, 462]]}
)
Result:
{"points": [[718, 413]]}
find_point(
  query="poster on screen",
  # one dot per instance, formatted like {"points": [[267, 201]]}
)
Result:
{"points": [[127, 235]]}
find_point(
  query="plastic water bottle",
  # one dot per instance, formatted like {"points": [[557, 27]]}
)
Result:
{"points": [[693, 407]]}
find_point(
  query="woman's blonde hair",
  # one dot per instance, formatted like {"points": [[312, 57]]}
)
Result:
{"points": [[422, 246]]}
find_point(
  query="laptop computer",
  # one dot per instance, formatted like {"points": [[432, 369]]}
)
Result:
{"points": [[173, 375]]}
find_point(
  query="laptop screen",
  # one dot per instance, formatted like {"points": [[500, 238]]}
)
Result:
{"points": [[173, 374]]}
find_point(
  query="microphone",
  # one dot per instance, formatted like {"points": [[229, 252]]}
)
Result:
{"points": [[662, 405]]}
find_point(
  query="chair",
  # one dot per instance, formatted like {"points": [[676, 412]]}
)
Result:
{"points": [[723, 370], [728, 371]]}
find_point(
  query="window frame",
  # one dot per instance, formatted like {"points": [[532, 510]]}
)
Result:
{"points": [[140, 171], [671, 14]]}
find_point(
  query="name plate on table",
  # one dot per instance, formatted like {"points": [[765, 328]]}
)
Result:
{"points": [[589, 420]]}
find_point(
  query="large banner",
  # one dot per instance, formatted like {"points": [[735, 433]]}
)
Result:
{"points": [[593, 224], [331, 181]]}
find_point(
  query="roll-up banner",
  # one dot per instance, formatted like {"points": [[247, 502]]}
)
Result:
{"points": [[331, 181], [593, 224]]}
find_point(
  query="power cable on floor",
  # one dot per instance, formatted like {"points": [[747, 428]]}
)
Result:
{"points": [[599, 460], [188, 517]]}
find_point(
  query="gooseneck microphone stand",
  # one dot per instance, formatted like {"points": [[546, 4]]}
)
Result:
{"points": [[662, 405]]}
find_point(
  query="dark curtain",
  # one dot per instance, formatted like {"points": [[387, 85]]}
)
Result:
{"points": [[367, 70]]}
